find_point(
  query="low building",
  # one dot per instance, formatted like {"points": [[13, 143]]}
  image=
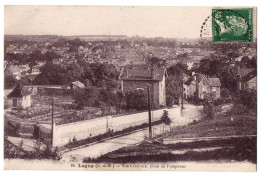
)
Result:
{"points": [[200, 86], [246, 78], [138, 79], [19, 98]]}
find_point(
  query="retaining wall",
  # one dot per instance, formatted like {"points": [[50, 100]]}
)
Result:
{"points": [[63, 134]]}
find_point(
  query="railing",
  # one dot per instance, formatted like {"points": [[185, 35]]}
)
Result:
{"points": [[163, 131]]}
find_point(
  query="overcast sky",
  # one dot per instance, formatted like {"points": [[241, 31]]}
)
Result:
{"points": [[181, 22]]}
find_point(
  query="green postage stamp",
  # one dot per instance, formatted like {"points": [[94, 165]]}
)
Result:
{"points": [[232, 25]]}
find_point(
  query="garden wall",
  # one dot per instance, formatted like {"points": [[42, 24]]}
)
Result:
{"points": [[63, 134]]}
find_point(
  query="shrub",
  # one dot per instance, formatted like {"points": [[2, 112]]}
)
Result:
{"points": [[165, 118], [225, 93], [136, 100], [248, 98], [169, 101], [208, 111]]}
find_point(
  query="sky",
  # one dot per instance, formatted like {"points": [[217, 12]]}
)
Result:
{"points": [[177, 22]]}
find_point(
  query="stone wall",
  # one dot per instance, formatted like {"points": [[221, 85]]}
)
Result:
{"points": [[63, 134]]}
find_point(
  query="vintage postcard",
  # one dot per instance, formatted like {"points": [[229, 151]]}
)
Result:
{"points": [[130, 88]]}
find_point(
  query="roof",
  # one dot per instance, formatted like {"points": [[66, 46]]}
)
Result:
{"points": [[198, 76], [249, 75], [246, 72], [142, 74], [214, 82], [19, 92], [78, 84]]}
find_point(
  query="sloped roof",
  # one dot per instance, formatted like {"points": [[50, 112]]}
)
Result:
{"points": [[189, 81], [207, 81], [19, 92], [215, 82], [78, 84], [198, 76], [141, 74], [246, 71], [249, 75]]}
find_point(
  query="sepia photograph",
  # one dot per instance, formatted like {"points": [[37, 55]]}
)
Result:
{"points": [[130, 88]]}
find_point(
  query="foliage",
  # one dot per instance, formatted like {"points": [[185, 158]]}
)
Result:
{"points": [[221, 101], [174, 83], [246, 62], [225, 93], [220, 67], [248, 98], [165, 118], [136, 100], [208, 111], [52, 75], [169, 101], [173, 88], [9, 81], [12, 151]]}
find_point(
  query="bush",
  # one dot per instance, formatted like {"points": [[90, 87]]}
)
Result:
{"points": [[248, 98], [136, 100], [165, 118], [208, 111], [169, 101], [225, 93]]}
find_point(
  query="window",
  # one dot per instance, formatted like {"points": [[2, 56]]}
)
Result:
{"points": [[214, 89], [203, 89], [140, 89]]}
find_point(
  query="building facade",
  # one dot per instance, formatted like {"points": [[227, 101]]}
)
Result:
{"points": [[138, 79], [19, 98], [200, 86], [246, 78]]}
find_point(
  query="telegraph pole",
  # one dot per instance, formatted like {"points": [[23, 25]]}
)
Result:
{"points": [[52, 117], [182, 88], [149, 112]]}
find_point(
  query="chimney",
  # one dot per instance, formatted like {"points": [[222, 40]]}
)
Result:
{"points": [[154, 73]]}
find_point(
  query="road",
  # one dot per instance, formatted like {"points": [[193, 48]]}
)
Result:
{"points": [[98, 149]]}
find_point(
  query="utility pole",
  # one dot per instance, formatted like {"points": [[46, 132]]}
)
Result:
{"points": [[182, 88], [52, 117], [149, 112]]}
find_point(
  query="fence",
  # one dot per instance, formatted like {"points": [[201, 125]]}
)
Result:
{"points": [[166, 130]]}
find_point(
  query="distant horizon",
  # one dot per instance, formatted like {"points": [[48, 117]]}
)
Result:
{"points": [[165, 22], [104, 35]]}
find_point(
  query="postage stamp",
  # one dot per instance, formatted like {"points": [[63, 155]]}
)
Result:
{"points": [[232, 25]]}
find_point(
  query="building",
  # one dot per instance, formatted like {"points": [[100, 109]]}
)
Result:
{"points": [[19, 98], [77, 85], [246, 78], [199, 85], [138, 79]]}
